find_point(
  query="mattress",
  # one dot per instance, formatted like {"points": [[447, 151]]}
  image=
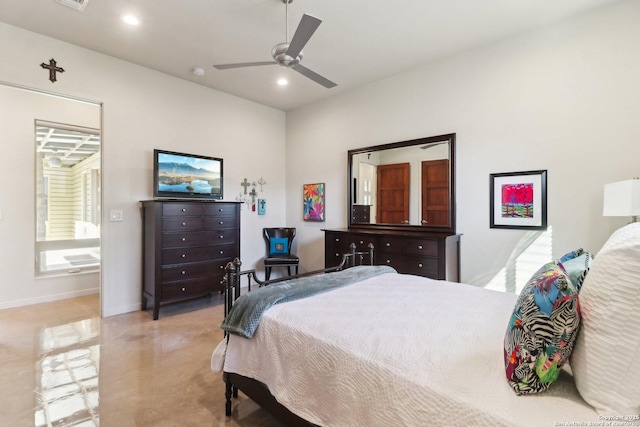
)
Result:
{"points": [[397, 350]]}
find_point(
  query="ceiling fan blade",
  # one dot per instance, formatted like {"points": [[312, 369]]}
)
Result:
{"points": [[243, 64], [308, 25], [315, 76]]}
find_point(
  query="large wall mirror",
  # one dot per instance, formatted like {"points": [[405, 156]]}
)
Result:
{"points": [[404, 185]]}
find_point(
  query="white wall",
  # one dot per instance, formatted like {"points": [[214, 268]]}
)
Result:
{"points": [[142, 110], [564, 98]]}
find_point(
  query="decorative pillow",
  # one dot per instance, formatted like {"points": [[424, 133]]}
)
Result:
{"points": [[542, 329], [576, 264], [606, 360], [278, 246]]}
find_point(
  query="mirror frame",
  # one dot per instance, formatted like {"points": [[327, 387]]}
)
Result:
{"points": [[451, 229]]}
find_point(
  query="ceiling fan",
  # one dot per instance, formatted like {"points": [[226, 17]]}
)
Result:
{"points": [[289, 54]]}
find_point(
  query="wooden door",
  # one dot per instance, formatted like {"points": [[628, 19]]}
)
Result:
{"points": [[393, 194], [435, 193]]}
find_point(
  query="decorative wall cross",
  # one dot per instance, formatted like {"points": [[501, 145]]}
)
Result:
{"points": [[262, 182], [53, 69], [253, 195], [245, 184]]}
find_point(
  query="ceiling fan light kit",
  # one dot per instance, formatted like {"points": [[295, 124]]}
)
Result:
{"points": [[289, 54]]}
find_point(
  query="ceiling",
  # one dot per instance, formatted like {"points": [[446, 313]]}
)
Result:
{"points": [[68, 144], [358, 42]]}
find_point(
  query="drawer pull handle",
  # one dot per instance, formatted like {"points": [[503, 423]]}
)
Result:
{"points": [[184, 209], [420, 265], [221, 210], [221, 267], [361, 242], [220, 237], [337, 255], [221, 222], [388, 244], [184, 272], [184, 239], [419, 246], [184, 289], [184, 255], [221, 252], [337, 240], [184, 223], [388, 261]]}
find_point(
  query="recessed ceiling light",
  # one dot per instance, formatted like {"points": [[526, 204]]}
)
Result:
{"points": [[130, 19], [283, 82]]}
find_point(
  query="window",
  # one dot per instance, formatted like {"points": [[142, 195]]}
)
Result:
{"points": [[67, 199]]}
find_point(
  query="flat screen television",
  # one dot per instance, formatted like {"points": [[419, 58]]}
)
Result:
{"points": [[181, 175]]}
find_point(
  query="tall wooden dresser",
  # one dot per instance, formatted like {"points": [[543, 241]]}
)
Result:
{"points": [[187, 244]]}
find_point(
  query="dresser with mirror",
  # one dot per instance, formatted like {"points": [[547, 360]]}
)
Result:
{"points": [[402, 200]]}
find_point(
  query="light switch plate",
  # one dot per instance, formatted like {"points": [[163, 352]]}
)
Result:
{"points": [[115, 215]]}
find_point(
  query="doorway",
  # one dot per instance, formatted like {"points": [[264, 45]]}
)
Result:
{"points": [[393, 193], [33, 123]]}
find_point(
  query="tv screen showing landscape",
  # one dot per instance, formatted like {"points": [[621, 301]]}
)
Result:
{"points": [[187, 175]]}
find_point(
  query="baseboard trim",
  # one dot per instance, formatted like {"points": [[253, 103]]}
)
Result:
{"points": [[48, 298]]}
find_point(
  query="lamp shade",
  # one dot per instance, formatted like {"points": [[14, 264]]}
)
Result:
{"points": [[622, 198]]}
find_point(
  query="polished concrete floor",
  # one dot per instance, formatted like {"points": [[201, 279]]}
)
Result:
{"points": [[61, 365]]}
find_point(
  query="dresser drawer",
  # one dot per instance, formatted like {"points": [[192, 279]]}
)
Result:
{"points": [[189, 288], [219, 210], [215, 223], [192, 270], [421, 247], [181, 209], [427, 267], [390, 245], [188, 238], [190, 223], [199, 238], [198, 253]]}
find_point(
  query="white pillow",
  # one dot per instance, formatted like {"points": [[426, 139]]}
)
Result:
{"points": [[606, 357]]}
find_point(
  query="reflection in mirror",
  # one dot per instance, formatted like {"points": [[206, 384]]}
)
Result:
{"points": [[67, 198], [408, 183]]}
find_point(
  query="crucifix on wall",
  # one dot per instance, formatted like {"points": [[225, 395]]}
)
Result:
{"points": [[53, 69], [245, 184], [253, 195], [261, 182]]}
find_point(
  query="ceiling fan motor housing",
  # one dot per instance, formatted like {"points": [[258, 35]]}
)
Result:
{"points": [[279, 53]]}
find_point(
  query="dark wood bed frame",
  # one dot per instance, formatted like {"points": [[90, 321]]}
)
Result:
{"points": [[256, 390]]}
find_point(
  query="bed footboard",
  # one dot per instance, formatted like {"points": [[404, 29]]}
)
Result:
{"points": [[255, 390]]}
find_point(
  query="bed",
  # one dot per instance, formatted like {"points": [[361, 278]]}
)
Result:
{"points": [[395, 349]]}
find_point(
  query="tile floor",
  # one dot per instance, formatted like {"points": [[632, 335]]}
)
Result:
{"points": [[61, 365]]}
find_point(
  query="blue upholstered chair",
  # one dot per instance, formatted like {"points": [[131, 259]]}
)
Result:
{"points": [[279, 254]]}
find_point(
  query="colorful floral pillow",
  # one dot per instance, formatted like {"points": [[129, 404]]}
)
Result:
{"points": [[542, 330]]}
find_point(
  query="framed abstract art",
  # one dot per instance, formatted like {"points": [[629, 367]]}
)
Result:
{"points": [[518, 200], [313, 202]]}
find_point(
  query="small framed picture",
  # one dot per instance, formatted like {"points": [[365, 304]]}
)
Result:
{"points": [[262, 206], [313, 202], [518, 200]]}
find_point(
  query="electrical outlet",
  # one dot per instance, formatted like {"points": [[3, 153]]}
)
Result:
{"points": [[115, 215]]}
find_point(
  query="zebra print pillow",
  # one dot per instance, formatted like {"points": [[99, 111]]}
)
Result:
{"points": [[542, 329], [577, 264]]}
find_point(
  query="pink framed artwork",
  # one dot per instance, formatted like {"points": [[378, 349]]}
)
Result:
{"points": [[519, 200]]}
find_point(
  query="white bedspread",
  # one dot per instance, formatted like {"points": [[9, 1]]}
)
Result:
{"points": [[397, 350]]}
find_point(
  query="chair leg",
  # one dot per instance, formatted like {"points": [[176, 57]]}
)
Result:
{"points": [[296, 269], [288, 271], [267, 273]]}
